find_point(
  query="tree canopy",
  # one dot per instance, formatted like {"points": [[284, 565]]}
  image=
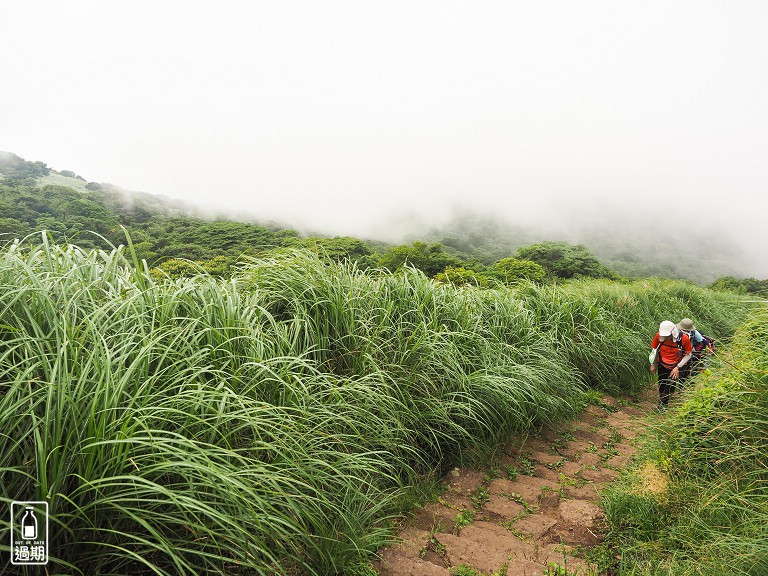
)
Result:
{"points": [[429, 258], [564, 260], [512, 270]]}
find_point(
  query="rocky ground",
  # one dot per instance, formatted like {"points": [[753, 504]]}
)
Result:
{"points": [[535, 511]]}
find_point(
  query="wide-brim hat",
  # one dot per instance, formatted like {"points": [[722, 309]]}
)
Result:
{"points": [[686, 324]]}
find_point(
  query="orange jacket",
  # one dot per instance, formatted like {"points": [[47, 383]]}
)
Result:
{"points": [[669, 353]]}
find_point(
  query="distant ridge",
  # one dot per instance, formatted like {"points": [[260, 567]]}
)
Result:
{"points": [[158, 226]]}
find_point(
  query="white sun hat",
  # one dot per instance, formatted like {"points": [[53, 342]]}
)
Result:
{"points": [[666, 328]]}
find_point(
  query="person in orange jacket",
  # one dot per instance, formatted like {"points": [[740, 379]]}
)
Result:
{"points": [[673, 352]]}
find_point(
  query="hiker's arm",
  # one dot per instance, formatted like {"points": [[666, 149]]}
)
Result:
{"points": [[675, 373], [684, 360]]}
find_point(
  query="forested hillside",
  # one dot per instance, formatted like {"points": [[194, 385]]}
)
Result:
{"points": [[700, 255], [176, 238]]}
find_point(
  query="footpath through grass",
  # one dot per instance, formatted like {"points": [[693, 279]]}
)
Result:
{"points": [[274, 423], [697, 502]]}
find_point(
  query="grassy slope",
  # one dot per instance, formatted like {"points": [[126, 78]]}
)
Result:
{"points": [[54, 179], [273, 422], [697, 502]]}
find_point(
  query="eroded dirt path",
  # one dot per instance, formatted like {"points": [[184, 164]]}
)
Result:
{"points": [[538, 506]]}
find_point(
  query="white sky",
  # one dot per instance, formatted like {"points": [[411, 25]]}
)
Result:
{"points": [[347, 114]]}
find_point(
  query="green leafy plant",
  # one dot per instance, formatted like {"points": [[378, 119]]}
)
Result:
{"points": [[480, 497], [526, 465], [463, 518], [511, 472], [464, 570]]}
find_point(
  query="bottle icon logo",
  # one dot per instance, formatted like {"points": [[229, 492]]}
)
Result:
{"points": [[29, 533], [29, 524]]}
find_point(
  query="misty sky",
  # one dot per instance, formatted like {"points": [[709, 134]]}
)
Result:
{"points": [[351, 116]]}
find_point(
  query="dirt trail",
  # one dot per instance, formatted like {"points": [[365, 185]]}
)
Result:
{"points": [[538, 506]]}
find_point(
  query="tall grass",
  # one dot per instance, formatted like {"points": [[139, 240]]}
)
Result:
{"points": [[467, 368], [603, 327], [271, 423], [712, 452]]}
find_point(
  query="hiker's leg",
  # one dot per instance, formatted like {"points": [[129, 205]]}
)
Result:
{"points": [[674, 385], [664, 393], [666, 386]]}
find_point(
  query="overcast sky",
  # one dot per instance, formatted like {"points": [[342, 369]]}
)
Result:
{"points": [[346, 115]]}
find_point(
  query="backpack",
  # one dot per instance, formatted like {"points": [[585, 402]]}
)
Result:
{"points": [[706, 342], [679, 341], [699, 347], [654, 355], [699, 361]]}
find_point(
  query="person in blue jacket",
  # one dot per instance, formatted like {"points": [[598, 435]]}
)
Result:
{"points": [[701, 344]]}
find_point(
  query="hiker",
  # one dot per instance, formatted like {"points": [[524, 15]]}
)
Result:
{"points": [[673, 351], [701, 344]]}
